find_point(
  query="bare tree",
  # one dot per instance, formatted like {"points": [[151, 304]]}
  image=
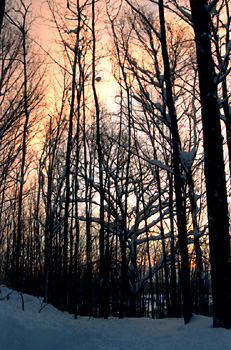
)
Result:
{"points": [[30, 97]]}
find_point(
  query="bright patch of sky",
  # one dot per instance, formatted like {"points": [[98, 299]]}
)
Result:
{"points": [[46, 37]]}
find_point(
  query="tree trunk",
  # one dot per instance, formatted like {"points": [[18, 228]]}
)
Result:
{"points": [[180, 207], [2, 10], [67, 202], [173, 279], [103, 287], [23, 161], [166, 281], [218, 217]]}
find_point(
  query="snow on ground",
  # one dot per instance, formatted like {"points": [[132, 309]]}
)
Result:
{"points": [[51, 329]]}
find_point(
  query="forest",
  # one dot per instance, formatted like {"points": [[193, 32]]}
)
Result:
{"points": [[115, 156]]}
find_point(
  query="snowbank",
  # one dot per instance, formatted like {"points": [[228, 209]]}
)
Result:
{"points": [[42, 327]]}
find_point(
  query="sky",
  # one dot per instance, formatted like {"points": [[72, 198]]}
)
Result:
{"points": [[42, 327], [45, 37]]}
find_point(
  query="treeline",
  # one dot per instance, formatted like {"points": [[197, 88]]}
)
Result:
{"points": [[119, 213]]}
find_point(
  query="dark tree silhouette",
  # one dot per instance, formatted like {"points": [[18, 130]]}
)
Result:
{"points": [[2, 10], [214, 168]]}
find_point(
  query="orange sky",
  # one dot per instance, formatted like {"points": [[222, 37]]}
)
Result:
{"points": [[106, 87]]}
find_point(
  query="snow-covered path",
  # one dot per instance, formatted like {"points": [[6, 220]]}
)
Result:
{"points": [[53, 330]]}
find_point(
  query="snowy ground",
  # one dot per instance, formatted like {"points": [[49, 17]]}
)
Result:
{"points": [[51, 329]]}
